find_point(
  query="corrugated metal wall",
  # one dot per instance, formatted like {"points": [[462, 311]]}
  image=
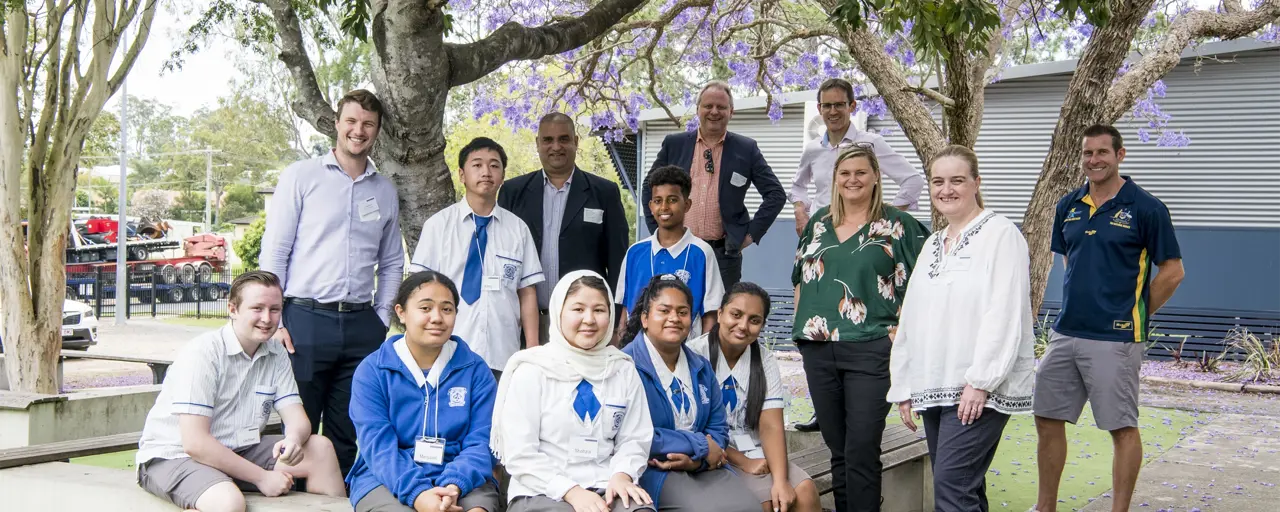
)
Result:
{"points": [[1229, 108], [780, 143]]}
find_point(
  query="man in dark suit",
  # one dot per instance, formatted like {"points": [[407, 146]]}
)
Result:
{"points": [[576, 217], [721, 164]]}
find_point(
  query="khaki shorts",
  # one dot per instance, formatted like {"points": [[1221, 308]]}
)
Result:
{"points": [[762, 485], [1103, 373], [380, 499], [182, 481]]}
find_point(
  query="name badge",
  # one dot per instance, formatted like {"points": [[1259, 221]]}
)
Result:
{"points": [[247, 437], [593, 215], [743, 442], [368, 210], [737, 180], [583, 447], [491, 283], [428, 450]]}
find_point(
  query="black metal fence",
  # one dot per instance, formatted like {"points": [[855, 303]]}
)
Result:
{"points": [[195, 290]]}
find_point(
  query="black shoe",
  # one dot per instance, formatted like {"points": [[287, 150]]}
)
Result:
{"points": [[810, 426]]}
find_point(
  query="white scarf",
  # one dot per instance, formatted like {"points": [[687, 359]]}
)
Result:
{"points": [[559, 359]]}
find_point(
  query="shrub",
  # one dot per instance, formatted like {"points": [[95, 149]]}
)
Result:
{"points": [[1259, 358]]}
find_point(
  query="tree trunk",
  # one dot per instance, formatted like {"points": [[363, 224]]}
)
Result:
{"points": [[412, 72], [1082, 106]]}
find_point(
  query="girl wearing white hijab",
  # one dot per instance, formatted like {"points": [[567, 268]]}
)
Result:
{"points": [[571, 423]]}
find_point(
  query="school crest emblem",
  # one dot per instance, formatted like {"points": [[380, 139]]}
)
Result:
{"points": [[683, 275], [1072, 214], [509, 271], [1122, 219], [457, 396], [706, 398]]}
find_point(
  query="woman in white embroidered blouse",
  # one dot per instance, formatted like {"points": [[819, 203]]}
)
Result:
{"points": [[962, 357]]}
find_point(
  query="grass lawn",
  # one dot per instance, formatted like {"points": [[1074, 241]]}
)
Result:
{"points": [[118, 460], [211, 323], [1011, 482]]}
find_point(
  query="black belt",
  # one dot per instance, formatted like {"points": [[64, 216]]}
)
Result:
{"points": [[716, 244], [341, 307]]}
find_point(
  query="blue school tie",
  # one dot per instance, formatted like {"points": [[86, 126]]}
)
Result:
{"points": [[730, 393], [586, 404], [677, 397], [473, 273]]}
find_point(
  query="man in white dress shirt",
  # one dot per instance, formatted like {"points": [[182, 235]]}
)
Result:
{"points": [[489, 254], [817, 162]]}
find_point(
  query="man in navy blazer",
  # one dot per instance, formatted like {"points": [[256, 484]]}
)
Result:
{"points": [[576, 218], [721, 164]]}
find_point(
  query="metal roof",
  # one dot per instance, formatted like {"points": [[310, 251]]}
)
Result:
{"points": [[1012, 73]]}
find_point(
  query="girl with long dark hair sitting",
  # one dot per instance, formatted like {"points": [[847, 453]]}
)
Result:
{"points": [[686, 459], [752, 394]]}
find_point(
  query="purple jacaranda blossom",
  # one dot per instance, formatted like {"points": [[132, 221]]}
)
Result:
{"points": [[1173, 139]]}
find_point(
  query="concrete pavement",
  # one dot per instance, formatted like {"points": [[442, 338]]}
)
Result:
{"points": [[1231, 464]]}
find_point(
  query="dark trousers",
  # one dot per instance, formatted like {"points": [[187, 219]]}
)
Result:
{"points": [[729, 261], [848, 383], [961, 455], [328, 346]]}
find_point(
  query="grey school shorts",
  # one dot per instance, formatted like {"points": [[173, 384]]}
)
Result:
{"points": [[1104, 373], [182, 481], [380, 499]]}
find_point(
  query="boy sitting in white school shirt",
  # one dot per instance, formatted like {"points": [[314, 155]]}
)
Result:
{"points": [[202, 443]]}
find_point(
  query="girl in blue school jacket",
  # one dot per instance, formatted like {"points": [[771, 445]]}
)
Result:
{"points": [[686, 458], [422, 405]]}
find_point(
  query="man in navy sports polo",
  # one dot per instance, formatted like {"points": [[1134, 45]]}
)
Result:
{"points": [[1110, 232]]}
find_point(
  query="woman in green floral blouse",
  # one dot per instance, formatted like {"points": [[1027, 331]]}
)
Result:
{"points": [[851, 270]]}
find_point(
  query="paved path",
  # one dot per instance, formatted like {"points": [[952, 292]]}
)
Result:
{"points": [[146, 338], [1231, 464]]}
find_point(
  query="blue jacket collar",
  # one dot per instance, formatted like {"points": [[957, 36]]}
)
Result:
{"points": [[640, 354], [387, 359]]}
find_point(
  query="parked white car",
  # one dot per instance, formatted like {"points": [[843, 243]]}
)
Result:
{"points": [[79, 326]]}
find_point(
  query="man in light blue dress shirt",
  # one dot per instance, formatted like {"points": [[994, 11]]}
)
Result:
{"points": [[332, 226]]}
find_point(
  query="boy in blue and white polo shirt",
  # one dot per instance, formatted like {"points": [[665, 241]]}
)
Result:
{"points": [[672, 250]]}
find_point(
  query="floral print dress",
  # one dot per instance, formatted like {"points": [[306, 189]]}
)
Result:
{"points": [[852, 290]]}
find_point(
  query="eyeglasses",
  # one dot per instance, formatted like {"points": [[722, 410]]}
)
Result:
{"points": [[833, 106], [711, 166], [848, 144]]}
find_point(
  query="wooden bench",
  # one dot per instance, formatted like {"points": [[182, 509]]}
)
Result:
{"points": [[907, 483], [37, 478], [63, 450], [159, 367]]}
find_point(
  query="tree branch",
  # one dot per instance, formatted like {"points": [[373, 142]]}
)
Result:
{"points": [[513, 41], [934, 95], [1193, 25], [802, 33], [310, 103]]}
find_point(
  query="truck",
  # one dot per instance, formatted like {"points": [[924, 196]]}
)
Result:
{"points": [[155, 272]]}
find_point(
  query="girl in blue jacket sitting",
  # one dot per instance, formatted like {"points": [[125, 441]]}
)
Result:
{"points": [[422, 405], [686, 459]]}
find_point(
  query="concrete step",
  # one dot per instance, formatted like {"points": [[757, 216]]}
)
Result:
{"points": [[64, 486]]}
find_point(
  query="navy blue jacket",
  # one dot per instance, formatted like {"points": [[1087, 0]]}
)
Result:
{"points": [[387, 407], [741, 156], [710, 419]]}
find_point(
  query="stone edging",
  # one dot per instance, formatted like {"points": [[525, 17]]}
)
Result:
{"points": [[1219, 386]]}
